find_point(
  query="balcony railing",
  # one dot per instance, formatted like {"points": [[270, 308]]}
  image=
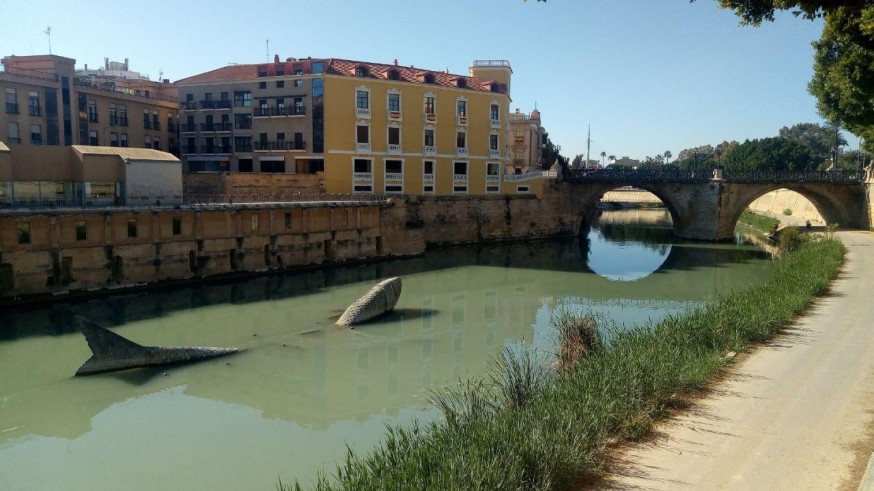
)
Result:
{"points": [[495, 123], [394, 176], [221, 126], [189, 128], [394, 115], [33, 110], [459, 177], [362, 112], [429, 178], [366, 176], [11, 108], [211, 104], [188, 106], [362, 147], [215, 149], [461, 152], [493, 178], [279, 145], [266, 112], [430, 118], [243, 148], [429, 150], [461, 120], [245, 125], [394, 148], [494, 153]]}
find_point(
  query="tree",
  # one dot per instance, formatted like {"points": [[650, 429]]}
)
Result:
{"points": [[822, 141], [774, 153], [843, 79], [668, 156], [578, 161], [603, 154], [551, 154]]}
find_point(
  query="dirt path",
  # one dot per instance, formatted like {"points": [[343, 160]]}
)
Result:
{"points": [[796, 414]]}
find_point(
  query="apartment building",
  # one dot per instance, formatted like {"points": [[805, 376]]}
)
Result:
{"points": [[46, 103], [368, 128], [265, 117]]}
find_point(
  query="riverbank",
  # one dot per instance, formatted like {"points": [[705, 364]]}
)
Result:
{"points": [[513, 429]]}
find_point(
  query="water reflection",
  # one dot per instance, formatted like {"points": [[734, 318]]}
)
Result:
{"points": [[304, 387]]}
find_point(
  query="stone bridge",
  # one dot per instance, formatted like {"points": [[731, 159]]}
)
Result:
{"points": [[705, 205]]}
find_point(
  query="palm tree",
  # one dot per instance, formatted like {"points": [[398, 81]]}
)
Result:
{"points": [[603, 154], [668, 156]]}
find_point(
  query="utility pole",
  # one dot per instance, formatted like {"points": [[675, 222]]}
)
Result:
{"points": [[588, 145], [48, 32], [268, 50]]}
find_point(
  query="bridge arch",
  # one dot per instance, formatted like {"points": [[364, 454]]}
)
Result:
{"points": [[596, 193], [836, 204]]}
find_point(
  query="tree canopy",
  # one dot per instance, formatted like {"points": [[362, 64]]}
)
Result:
{"points": [[843, 80], [772, 153]]}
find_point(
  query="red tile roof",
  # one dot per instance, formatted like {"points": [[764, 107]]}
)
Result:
{"points": [[334, 66]]}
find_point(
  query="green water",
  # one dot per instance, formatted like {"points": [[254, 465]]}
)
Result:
{"points": [[304, 389]]}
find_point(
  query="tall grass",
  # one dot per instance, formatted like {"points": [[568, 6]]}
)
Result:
{"points": [[529, 428], [761, 222]]}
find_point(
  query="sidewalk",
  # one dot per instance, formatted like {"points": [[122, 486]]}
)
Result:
{"points": [[795, 414]]}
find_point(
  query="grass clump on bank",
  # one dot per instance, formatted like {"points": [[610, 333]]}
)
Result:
{"points": [[760, 222], [535, 427]]}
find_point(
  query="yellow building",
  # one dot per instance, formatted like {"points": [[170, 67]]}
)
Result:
{"points": [[46, 103], [367, 128]]}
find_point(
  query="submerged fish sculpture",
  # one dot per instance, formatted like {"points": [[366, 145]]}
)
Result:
{"points": [[380, 299], [112, 352]]}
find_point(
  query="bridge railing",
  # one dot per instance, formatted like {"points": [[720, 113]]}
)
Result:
{"points": [[836, 176], [704, 175], [699, 175]]}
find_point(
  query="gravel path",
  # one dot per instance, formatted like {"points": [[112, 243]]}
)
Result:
{"points": [[795, 414]]}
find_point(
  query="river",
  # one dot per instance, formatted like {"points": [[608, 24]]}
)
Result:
{"points": [[303, 389]]}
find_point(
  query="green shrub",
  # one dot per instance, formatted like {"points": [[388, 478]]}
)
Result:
{"points": [[787, 211]]}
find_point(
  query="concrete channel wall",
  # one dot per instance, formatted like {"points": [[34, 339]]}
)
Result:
{"points": [[47, 254]]}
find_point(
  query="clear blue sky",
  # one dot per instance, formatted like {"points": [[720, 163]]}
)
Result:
{"points": [[649, 76]]}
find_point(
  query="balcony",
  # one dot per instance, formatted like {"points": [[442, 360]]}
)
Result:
{"points": [[279, 145], [363, 176], [211, 105], [34, 110], [429, 150], [495, 123], [268, 112], [494, 153], [222, 126], [362, 112], [430, 118], [243, 148], [461, 120], [394, 176], [215, 149], [188, 106], [428, 178], [493, 178], [460, 152], [92, 117], [459, 177], [394, 148], [394, 115], [189, 128], [11, 108], [362, 147]]}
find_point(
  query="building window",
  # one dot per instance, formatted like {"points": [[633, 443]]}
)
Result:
{"points": [[23, 232], [461, 83], [362, 166], [429, 78], [147, 121], [132, 227], [362, 99], [493, 142], [123, 140], [12, 132], [243, 121], [461, 108], [459, 170], [113, 115], [242, 98], [33, 104], [460, 139], [122, 115], [280, 84], [256, 222], [495, 112], [360, 71], [429, 137], [493, 169], [394, 101], [36, 134], [177, 225], [429, 104], [11, 102], [156, 123], [394, 75], [522, 189], [428, 176], [288, 221], [394, 166], [156, 143], [113, 139], [298, 83], [394, 135], [318, 67], [262, 85], [147, 141], [81, 231], [362, 134]]}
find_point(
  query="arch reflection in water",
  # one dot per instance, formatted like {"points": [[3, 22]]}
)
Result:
{"points": [[630, 244]]}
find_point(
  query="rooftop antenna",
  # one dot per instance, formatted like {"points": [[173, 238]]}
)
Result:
{"points": [[48, 32], [588, 145], [268, 50]]}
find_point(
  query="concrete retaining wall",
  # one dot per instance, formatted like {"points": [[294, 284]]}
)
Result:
{"points": [[777, 201]]}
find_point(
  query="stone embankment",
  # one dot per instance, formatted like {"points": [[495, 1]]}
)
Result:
{"points": [[51, 254]]}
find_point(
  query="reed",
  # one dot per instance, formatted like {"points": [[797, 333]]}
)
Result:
{"points": [[526, 427]]}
